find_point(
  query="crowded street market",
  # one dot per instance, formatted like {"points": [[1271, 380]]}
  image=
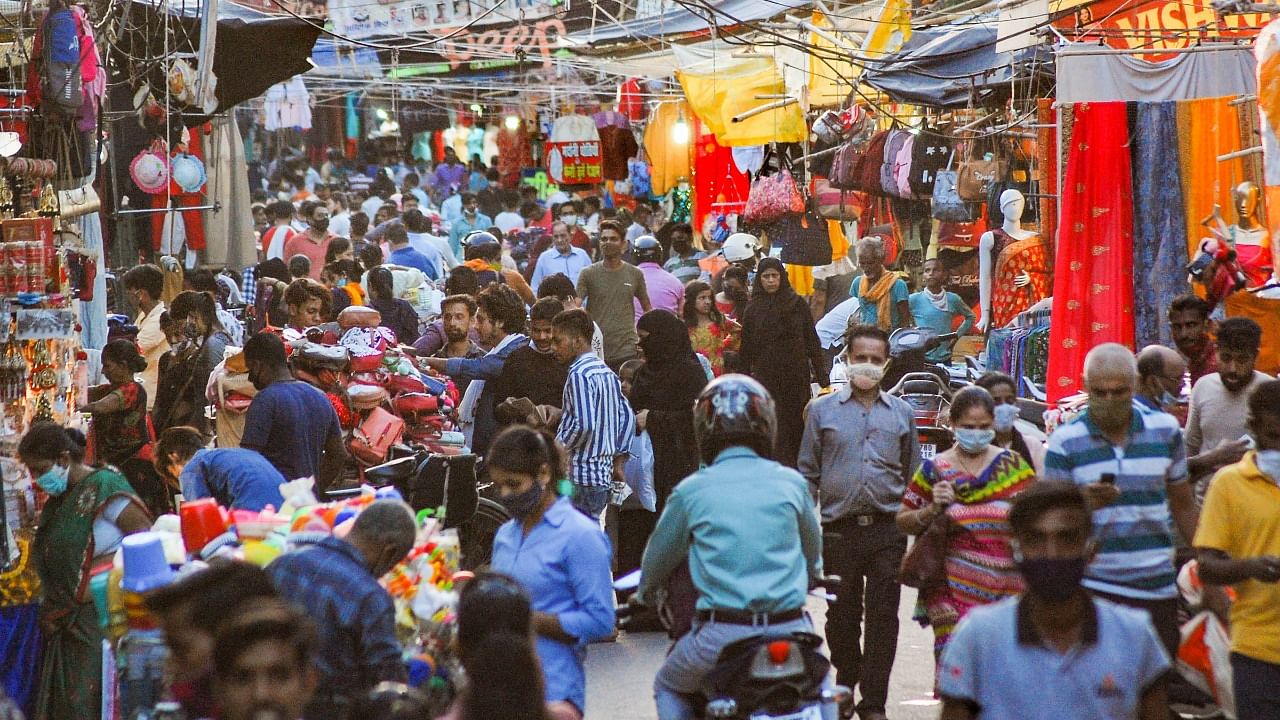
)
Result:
{"points": [[636, 359]]}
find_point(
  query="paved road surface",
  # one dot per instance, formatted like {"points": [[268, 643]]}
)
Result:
{"points": [[620, 675]]}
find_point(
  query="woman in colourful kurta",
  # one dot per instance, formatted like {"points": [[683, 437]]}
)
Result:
{"points": [[972, 484], [88, 513], [121, 436], [711, 333]]}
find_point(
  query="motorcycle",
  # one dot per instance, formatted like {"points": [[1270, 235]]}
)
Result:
{"points": [[770, 676]]}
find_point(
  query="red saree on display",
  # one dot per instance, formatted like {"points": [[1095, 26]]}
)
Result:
{"points": [[1093, 278]]}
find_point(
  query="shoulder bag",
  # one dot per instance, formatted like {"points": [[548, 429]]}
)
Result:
{"points": [[804, 239], [976, 176], [947, 204], [925, 564]]}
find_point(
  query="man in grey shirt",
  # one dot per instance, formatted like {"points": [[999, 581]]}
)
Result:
{"points": [[858, 451]]}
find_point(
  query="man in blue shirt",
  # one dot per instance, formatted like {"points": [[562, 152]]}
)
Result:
{"points": [[291, 423], [562, 257], [749, 529], [238, 479], [472, 220], [336, 582], [1055, 651], [402, 253], [937, 309]]}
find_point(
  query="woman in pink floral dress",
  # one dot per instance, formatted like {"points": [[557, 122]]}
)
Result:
{"points": [[711, 333]]}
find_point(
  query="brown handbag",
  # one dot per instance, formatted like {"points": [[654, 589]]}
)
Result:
{"points": [[977, 175], [924, 565]]}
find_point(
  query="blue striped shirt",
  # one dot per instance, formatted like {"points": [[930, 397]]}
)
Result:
{"points": [[597, 423], [1135, 533]]}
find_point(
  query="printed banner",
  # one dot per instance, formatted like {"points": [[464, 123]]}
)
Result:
{"points": [[574, 163]]}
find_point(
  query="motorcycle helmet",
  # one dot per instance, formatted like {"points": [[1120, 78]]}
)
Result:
{"points": [[478, 238], [740, 247], [734, 410], [646, 248]]}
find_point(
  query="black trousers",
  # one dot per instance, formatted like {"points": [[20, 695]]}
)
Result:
{"points": [[866, 557], [1255, 686]]}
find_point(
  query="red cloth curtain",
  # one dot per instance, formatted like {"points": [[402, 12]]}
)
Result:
{"points": [[716, 178], [1093, 274]]}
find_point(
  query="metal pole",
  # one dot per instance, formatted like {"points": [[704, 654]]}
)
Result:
{"points": [[151, 211]]}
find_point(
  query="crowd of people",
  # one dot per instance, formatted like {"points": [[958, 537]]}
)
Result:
{"points": [[639, 402]]}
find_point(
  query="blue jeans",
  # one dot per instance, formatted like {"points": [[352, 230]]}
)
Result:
{"points": [[591, 500], [693, 656], [1255, 683]]}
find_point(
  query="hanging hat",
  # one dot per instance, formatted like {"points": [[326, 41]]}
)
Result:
{"points": [[150, 172], [181, 82], [188, 172]]}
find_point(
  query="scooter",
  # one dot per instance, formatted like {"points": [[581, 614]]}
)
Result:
{"points": [[908, 353], [930, 401], [770, 676]]}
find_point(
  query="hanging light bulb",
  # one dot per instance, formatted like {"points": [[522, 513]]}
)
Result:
{"points": [[680, 130], [512, 122]]}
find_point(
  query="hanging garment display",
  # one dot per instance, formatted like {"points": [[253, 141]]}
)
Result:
{"points": [[721, 95], [719, 184], [1030, 256], [1206, 130], [617, 143], [1085, 75], [1093, 284], [514, 152], [668, 145], [1160, 224], [1267, 50], [287, 105]]}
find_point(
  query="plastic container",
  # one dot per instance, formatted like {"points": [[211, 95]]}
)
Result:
{"points": [[145, 566], [202, 521]]}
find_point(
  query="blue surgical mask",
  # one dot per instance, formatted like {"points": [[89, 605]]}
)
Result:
{"points": [[1005, 417], [54, 480], [974, 440]]}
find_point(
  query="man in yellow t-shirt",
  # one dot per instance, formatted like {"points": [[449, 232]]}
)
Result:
{"points": [[1239, 543]]}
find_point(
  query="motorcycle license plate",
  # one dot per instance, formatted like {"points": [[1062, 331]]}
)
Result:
{"points": [[928, 450], [813, 712]]}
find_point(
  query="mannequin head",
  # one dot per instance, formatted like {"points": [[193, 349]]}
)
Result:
{"points": [[1245, 199], [1012, 203]]}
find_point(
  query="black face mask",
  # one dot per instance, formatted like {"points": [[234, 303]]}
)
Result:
{"points": [[522, 505], [320, 225], [1053, 579]]}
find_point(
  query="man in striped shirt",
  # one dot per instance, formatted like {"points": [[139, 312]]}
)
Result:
{"points": [[598, 423], [1132, 465]]}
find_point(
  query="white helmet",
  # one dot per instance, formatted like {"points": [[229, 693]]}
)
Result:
{"points": [[740, 246]]}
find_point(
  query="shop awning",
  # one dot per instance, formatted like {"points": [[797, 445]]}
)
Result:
{"points": [[958, 66], [680, 21]]}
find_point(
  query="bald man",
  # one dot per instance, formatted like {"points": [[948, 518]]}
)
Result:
{"points": [[1160, 380], [1131, 463]]}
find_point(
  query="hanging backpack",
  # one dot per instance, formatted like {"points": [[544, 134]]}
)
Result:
{"points": [[843, 166], [60, 84], [866, 173], [929, 155], [902, 169], [892, 146]]}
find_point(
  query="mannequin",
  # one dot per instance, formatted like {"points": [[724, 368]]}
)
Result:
{"points": [[992, 243], [1248, 236]]}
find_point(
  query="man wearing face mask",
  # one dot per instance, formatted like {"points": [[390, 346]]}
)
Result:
{"points": [[1012, 432], [1239, 544], [858, 452], [1160, 374], [472, 220], [313, 243], [336, 582], [684, 256], [562, 257], [1131, 464], [1217, 422], [1071, 650]]}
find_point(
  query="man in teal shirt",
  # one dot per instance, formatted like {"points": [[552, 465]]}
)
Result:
{"points": [[882, 295], [750, 531], [935, 308]]}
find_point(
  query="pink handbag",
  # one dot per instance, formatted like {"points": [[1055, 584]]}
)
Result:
{"points": [[372, 439], [902, 169], [773, 197]]}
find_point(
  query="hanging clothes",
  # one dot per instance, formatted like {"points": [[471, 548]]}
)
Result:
{"points": [[1207, 128], [617, 144], [1030, 256], [514, 152], [1160, 223], [1267, 51], [718, 182], [1093, 285], [669, 160], [287, 105], [720, 95]]}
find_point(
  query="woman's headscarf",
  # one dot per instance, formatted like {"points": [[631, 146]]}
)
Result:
{"points": [[671, 377], [766, 310], [784, 293]]}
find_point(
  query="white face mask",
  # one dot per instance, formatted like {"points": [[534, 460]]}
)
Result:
{"points": [[1005, 416], [569, 220], [865, 376], [1269, 463]]}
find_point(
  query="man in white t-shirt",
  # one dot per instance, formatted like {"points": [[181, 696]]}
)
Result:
{"points": [[510, 218], [145, 283]]}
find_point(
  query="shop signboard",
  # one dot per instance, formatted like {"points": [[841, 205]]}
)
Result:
{"points": [[361, 19], [575, 162], [1153, 24]]}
